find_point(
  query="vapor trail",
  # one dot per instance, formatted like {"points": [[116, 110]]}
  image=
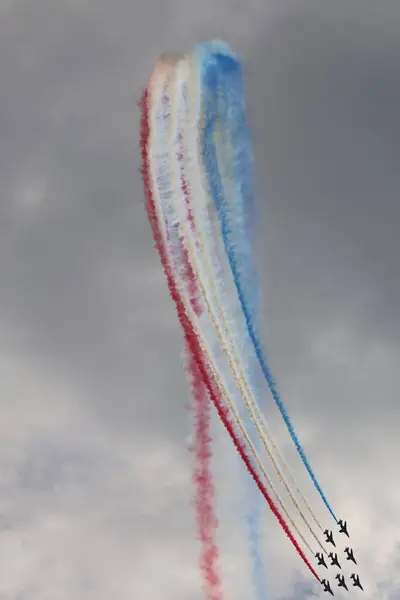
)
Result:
{"points": [[220, 71], [195, 343]]}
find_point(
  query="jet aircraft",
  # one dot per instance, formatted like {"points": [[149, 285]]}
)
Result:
{"points": [[327, 587], [334, 559], [343, 527], [329, 537], [342, 582], [350, 555], [321, 560], [356, 581]]}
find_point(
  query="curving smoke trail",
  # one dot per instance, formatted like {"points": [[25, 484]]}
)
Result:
{"points": [[204, 500], [176, 255], [198, 182], [254, 522], [221, 73], [209, 279], [215, 274], [187, 318]]}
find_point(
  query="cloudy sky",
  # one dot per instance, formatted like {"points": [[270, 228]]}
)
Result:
{"points": [[94, 469]]}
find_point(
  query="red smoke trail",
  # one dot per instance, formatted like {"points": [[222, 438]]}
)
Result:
{"points": [[191, 338], [202, 475], [206, 520], [204, 502]]}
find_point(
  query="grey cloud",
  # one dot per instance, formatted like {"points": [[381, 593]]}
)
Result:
{"points": [[324, 93], [81, 283], [323, 96]]}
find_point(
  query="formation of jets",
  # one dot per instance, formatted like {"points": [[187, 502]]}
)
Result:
{"points": [[335, 561], [342, 583]]}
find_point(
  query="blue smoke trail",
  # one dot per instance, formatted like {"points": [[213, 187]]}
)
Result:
{"points": [[254, 499], [221, 71]]}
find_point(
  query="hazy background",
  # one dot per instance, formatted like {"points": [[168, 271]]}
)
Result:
{"points": [[94, 470]]}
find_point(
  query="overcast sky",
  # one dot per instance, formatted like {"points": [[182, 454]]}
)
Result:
{"points": [[94, 470]]}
